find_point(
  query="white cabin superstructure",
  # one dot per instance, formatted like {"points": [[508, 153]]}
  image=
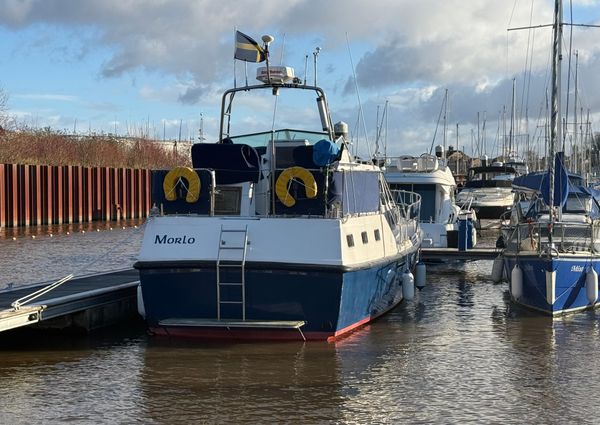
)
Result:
{"points": [[428, 176]]}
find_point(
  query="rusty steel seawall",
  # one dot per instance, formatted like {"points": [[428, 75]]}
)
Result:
{"points": [[32, 195]]}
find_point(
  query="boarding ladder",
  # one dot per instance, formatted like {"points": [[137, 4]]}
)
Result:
{"points": [[231, 265]]}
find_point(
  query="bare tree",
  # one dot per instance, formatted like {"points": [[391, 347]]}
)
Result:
{"points": [[3, 107]]}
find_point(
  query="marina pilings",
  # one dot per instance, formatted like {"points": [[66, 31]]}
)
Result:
{"points": [[33, 195]]}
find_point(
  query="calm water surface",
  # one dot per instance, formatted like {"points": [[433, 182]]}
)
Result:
{"points": [[459, 353]]}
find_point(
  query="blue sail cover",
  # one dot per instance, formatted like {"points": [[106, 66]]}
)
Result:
{"points": [[540, 182]]}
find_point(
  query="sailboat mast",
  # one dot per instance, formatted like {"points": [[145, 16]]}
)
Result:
{"points": [[445, 120], [511, 136], [555, 99], [575, 128]]}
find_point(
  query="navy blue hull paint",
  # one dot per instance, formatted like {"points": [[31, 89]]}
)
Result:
{"points": [[330, 302], [570, 289]]}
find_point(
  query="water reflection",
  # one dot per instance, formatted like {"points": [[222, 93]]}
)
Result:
{"points": [[244, 383], [551, 361], [53, 379], [460, 352], [79, 249]]}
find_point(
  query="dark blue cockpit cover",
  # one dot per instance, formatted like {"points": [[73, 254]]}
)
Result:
{"points": [[233, 163], [540, 182]]}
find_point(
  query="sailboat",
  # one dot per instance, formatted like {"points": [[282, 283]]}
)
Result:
{"points": [[279, 234], [552, 253]]}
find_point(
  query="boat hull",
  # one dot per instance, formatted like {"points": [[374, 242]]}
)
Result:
{"points": [[569, 281], [331, 301]]}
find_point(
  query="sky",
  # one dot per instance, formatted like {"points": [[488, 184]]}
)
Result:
{"points": [[159, 67]]}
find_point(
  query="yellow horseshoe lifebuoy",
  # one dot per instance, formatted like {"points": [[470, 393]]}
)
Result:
{"points": [[284, 179], [173, 176]]}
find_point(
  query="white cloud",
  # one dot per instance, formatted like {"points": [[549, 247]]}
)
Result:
{"points": [[47, 96], [410, 51]]}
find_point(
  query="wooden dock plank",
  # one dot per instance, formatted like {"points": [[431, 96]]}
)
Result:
{"points": [[455, 254]]}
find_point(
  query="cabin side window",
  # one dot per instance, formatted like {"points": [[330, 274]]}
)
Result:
{"points": [[377, 235], [350, 240], [364, 237]]}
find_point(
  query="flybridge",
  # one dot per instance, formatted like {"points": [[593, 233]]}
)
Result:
{"points": [[277, 74]]}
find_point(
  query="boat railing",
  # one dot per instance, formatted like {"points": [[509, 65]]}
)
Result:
{"points": [[409, 203], [567, 237], [406, 213], [411, 164]]}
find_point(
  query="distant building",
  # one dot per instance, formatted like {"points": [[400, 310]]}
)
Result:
{"points": [[459, 163]]}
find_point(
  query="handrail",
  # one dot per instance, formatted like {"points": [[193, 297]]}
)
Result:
{"points": [[408, 202], [16, 305], [567, 236]]}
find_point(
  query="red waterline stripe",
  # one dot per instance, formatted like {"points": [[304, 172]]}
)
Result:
{"points": [[350, 328]]}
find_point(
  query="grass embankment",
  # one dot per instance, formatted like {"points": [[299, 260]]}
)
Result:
{"points": [[47, 147]]}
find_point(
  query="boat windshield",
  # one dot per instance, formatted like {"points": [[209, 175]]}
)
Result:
{"points": [[257, 140], [491, 175], [502, 176]]}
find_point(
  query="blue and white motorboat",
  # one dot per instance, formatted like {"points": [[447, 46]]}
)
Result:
{"points": [[432, 179], [552, 246], [488, 190], [279, 234]]}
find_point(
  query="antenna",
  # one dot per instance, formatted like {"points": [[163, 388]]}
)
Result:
{"points": [[315, 57], [361, 115], [282, 50], [305, 67], [268, 39], [201, 137]]}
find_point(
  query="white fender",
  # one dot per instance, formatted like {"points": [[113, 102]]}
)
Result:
{"points": [[591, 285], [550, 287], [516, 282], [140, 302], [408, 286]]}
